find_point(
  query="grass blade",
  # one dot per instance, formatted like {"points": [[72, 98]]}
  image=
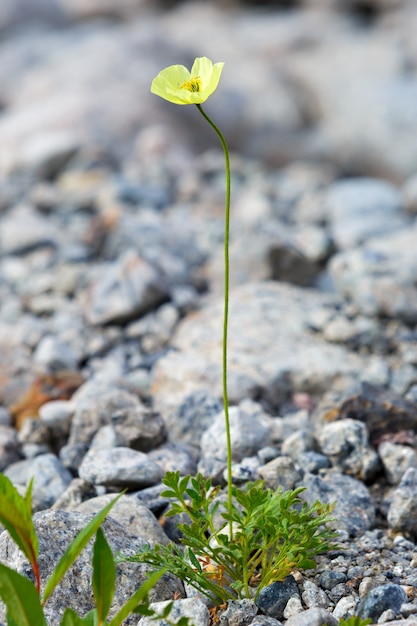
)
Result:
{"points": [[75, 548], [16, 517], [21, 599], [104, 575]]}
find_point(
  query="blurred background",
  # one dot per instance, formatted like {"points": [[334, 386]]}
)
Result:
{"points": [[330, 80]]}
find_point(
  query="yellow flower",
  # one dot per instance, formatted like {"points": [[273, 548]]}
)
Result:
{"points": [[176, 84]]}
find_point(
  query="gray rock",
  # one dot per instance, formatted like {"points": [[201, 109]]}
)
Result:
{"points": [[192, 417], [53, 354], [280, 472], [359, 208], [273, 599], [50, 478], [127, 289], [193, 608], [396, 459], [345, 608], [172, 457], [46, 153], [5, 417], [292, 424], [78, 491], [298, 443], [403, 507], [249, 430], [119, 467], [95, 404], [378, 276], [382, 410], [264, 620], [410, 194], [269, 250], [33, 431], [380, 599], [303, 361], [105, 437], [403, 378], [312, 617], [365, 147], [267, 453], [293, 607], [138, 427], [57, 416], [134, 516], [9, 447], [313, 596], [246, 470], [56, 530], [213, 469], [170, 243], [154, 329], [71, 455], [329, 579], [354, 510], [37, 233], [312, 462], [345, 443], [239, 613]]}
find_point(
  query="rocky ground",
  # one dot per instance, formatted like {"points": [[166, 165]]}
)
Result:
{"points": [[111, 273]]}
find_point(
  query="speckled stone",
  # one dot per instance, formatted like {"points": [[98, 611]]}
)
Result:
{"points": [[239, 613], [249, 431], [119, 467], [402, 513], [312, 617], [273, 599], [280, 472], [9, 446], [345, 443], [51, 478], [396, 459], [95, 402], [193, 608], [380, 599], [127, 288], [134, 516], [56, 529], [354, 510]]}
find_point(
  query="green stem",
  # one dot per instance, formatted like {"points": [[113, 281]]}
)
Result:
{"points": [[226, 312]]}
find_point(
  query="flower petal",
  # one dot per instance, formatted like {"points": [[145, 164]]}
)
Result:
{"points": [[214, 79], [203, 68], [169, 82]]}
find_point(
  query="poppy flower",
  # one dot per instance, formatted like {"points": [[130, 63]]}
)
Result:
{"points": [[180, 86]]}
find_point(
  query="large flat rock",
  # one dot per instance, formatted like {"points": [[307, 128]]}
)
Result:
{"points": [[272, 351]]}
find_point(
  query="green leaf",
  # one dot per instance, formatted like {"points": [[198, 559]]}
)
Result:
{"points": [[139, 596], [21, 599], [183, 483], [355, 621], [167, 610], [194, 495], [70, 618], [16, 517], [104, 575], [10, 621], [75, 548], [193, 559]]}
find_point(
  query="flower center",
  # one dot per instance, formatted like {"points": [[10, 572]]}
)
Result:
{"points": [[194, 84]]}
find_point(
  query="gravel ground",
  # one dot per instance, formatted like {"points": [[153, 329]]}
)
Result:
{"points": [[111, 278]]}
